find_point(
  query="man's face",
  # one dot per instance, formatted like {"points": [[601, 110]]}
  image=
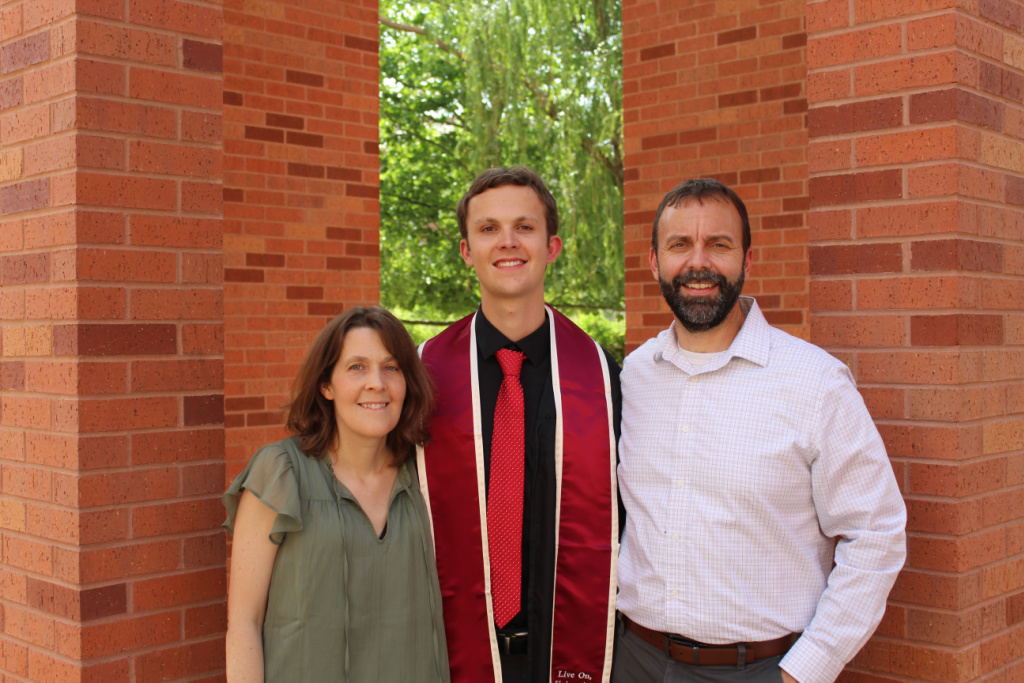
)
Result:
{"points": [[507, 242], [699, 262]]}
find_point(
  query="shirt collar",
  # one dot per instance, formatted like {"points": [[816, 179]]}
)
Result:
{"points": [[752, 342], [535, 345]]}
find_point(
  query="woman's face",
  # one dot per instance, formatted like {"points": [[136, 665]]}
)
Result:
{"points": [[367, 388]]}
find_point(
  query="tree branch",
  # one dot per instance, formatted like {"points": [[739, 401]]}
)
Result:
{"points": [[423, 32]]}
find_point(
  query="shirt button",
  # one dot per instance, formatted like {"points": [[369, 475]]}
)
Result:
{"points": [[685, 428], [675, 537], [674, 594], [694, 378], [680, 483]]}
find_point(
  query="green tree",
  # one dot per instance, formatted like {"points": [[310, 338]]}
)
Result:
{"points": [[468, 85]]}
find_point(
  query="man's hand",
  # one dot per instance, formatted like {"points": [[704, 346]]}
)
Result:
{"points": [[786, 678]]}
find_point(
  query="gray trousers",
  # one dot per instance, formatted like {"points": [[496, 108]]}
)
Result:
{"points": [[637, 661]]}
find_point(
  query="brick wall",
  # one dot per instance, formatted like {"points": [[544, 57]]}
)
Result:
{"points": [[917, 253], [111, 435], [300, 192], [716, 89]]}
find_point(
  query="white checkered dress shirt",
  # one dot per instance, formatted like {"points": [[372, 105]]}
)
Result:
{"points": [[739, 477]]}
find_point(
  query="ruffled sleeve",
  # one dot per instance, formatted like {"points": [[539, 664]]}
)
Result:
{"points": [[270, 476]]}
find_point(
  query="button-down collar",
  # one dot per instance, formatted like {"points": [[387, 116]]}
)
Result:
{"points": [[753, 342]]}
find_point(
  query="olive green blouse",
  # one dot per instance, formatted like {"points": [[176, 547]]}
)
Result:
{"points": [[344, 605]]}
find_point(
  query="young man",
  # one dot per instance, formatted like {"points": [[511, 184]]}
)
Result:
{"points": [[519, 474], [764, 527]]}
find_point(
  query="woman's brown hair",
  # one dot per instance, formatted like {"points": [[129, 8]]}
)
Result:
{"points": [[311, 415]]}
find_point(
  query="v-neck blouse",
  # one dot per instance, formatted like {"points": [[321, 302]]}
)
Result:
{"points": [[344, 605]]}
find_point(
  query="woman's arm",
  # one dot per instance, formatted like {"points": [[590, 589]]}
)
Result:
{"points": [[252, 563]]}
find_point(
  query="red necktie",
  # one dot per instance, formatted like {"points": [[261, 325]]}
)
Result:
{"points": [[505, 495]]}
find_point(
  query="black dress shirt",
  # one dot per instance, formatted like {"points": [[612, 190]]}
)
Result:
{"points": [[538, 572]]}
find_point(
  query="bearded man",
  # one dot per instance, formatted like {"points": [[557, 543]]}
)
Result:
{"points": [[764, 527]]}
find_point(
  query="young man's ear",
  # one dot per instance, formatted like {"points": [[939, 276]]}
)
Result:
{"points": [[554, 248], [464, 250]]}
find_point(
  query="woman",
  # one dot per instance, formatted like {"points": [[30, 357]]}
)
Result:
{"points": [[332, 567]]}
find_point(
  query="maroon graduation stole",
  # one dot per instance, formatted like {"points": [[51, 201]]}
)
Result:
{"points": [[586, 530]]}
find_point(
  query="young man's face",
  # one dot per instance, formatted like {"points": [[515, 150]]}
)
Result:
{"points": [[507, 243]]}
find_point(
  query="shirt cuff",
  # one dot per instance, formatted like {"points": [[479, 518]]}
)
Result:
{"points": [[808, 663]]}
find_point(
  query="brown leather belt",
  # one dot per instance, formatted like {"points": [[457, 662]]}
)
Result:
{"points": [[699, 654]]}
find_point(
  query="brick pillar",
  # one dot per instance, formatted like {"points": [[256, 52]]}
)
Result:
{"points": [[300, 190], [917, 253], [111, 435], [713, 88]]}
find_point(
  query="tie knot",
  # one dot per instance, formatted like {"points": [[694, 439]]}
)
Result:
{"points": [[511, 361]]}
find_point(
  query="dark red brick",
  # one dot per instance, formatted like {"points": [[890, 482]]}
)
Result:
{"points": [[104, 601], [265, 134], [736, 99], [351, 175], [282, 121], [21, 269], [97, 339], [304, 78], [859, 116], [657, 52], [264, 260], [956, 254], [955, 104], [305, 170], [367, 191], [759, 175], [242, 275], [304, 139], [12, 375], [797, 106], [324, 308], [658, 141], [362, 249], [28, 195], [25, 52], [782, 317], [272, 417], [364, 44], [204, 410], [371, 147], [298, 292], [234, 99], [794, 40], [1003, 12], [351, 234], [689, 137], [956, 329], [1015, 190], [856, 258], [234, 194], [343, 263], [10, 93], [796, 203], [737, 35], [856, 187], [242, 403], [201, 56]]}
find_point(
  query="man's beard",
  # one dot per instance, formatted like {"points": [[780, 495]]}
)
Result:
{"points": [[701, 313]]}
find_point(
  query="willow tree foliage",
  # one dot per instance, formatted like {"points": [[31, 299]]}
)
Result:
{"points": [[470, 84]]}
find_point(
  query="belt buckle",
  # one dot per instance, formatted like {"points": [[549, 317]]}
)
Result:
{"points": [[673, 639]]}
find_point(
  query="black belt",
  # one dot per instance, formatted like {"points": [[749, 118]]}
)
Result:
{"points": [[512, 642], [701, 654]]}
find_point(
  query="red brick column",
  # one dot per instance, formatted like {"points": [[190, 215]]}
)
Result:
{"points": [[300, 190], [917, 254], [712, 90], [111, 436]]}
